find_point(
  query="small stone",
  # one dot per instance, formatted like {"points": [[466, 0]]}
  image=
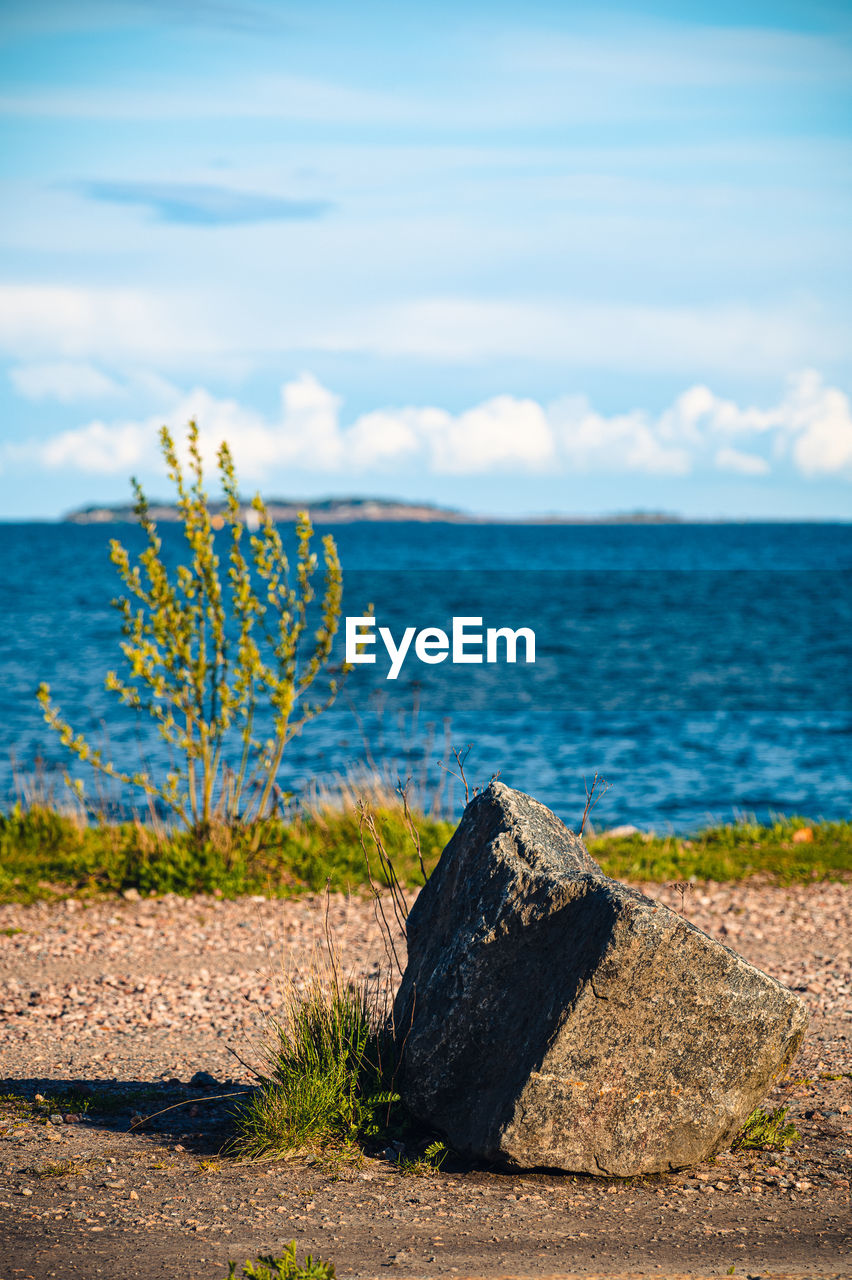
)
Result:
{"points": [[26, 1191], [203, 1080], [133, 1195], [55, 1118], [178, 1148]]}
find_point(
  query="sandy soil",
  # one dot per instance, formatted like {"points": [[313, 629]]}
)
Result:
{"points": [[114, 1006]]}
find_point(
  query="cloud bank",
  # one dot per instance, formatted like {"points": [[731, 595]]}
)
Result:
{"points": [[809, 428]]}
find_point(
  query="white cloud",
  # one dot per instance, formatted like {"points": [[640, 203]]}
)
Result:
{"points": [[624, 442], [812, 423], [821, 420], [746, 464], [501, 432], [272, 97], [810, 427], [98, 447], [498, 433], [65, 381]]}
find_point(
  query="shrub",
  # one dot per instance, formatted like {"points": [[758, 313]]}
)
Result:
{"points": [[205, 656]]}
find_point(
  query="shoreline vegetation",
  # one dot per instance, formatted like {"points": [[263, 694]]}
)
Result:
{"points": [[48, 854]]}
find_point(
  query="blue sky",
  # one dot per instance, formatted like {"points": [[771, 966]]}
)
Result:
{"points": [[513, 258]]}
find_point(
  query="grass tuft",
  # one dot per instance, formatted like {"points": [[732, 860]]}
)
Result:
{"points": [[56, 1169], [766, 1131], [285, 1267], [330, 1071]]}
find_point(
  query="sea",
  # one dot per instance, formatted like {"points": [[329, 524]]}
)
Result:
{"points": [[701, 670]]}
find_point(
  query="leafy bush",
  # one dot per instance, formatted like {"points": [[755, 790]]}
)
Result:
{"points": [[204, 656]]}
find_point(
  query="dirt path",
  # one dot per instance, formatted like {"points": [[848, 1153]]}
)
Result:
{"points": [[109, 1009]]}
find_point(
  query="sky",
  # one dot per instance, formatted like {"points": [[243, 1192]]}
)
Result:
{"points": [[513, 258]]}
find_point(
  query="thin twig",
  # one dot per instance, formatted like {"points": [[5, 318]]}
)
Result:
{"points": [[243, 1062], [381, 918], [599, 785], [409, 822], [400, 904], [460, 757], [683, 887]]}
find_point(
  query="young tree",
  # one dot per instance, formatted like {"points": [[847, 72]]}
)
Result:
{"points": [[204, 655]]}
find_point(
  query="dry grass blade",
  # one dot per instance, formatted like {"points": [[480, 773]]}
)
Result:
{"points": [[594, 795], [366, 821]]}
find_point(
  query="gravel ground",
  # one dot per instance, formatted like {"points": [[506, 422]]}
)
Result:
{"points": [[119, 1003], [166, 986]]}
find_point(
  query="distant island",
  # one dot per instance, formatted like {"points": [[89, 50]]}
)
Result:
{"points": [[354, 510]]}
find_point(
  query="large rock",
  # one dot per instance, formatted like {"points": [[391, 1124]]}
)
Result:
{"points": [[553, 1017]]}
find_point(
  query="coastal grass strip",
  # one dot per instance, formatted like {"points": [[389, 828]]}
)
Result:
{"points": [[45, 854], [790, 851]]}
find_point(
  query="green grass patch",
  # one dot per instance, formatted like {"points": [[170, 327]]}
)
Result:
{"points": [[284, 1267], [733, 852], [46, 854], [57, 1169], [766, 1131]]}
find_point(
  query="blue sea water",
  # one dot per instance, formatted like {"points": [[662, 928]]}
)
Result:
{"points": [[703, 670]]}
